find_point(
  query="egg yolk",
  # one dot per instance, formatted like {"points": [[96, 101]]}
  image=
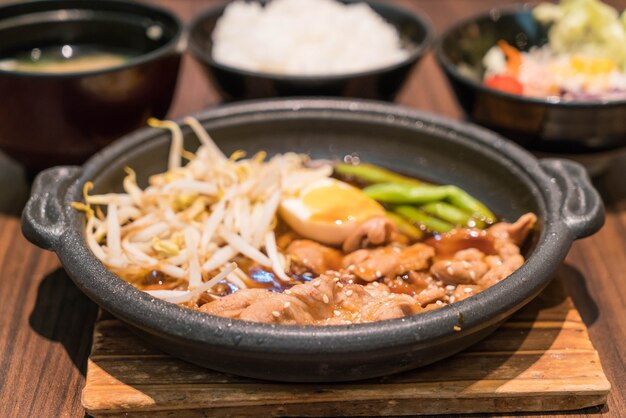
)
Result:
{"points": [[339, 204]]}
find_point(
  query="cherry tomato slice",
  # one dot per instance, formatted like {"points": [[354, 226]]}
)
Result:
{"points": [[504, 83]]}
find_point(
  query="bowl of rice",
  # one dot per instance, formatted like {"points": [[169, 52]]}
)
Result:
{"points": [[255, 49], [545, 76]]}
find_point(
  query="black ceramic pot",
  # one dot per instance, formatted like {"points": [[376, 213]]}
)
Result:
{"points": [[382, 83], [548, 126], [507, 178], [50, 119]]}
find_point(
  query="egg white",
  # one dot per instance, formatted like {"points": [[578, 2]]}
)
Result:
{"points": [[298, 215]]}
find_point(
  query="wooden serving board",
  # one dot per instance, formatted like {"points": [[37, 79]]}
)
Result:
{"points": [[540, 360]]}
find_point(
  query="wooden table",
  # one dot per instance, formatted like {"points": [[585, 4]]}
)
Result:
{"points": [[46, 322]]}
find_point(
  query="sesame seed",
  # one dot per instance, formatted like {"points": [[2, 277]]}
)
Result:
{"points": [[450, 288], [316, 283], [349, 292], [378, 273], [450, 270], [375, 284], [468, 290], [439, 303], [452, 299], [362, 269], [339, 285], [472, 274], [286, 305], [287, 292], [325, 299], [456, 328], [351, 267], [276, 314], [337, 313], [336, 279], [392, 296]]}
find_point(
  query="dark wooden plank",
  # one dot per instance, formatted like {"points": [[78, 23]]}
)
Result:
{"points": [[45, 324]]}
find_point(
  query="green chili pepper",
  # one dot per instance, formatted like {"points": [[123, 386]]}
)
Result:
{"points": [[463, 200], [452, 214], [370, 173], [399, 193], [417, 217], [405, 193], [405, 227]]}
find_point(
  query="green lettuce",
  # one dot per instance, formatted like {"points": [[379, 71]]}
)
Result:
{"points": [[587, 27]]}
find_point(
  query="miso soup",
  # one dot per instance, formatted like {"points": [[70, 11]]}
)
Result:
{"points": [[65, 59]]}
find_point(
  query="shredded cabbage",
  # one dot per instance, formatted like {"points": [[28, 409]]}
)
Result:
{"points": [[586, 27]]}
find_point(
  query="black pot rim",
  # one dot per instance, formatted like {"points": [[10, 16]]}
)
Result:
{"points": [[421, 20], [488, 307], [452, 70], [174, 46]]}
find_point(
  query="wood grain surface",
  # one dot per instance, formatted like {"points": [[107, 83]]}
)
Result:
{"points": [[540, 360], [46, 323]]}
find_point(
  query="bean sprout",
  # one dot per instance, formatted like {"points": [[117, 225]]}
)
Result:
{"points": [[193, 220]]}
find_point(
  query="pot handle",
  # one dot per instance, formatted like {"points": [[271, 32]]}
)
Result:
{"points": [[582, 208], [43, 218]]}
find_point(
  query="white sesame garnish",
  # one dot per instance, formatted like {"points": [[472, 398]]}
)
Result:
{"points": [[276, 314], [378, 273], [450, 270], [472, 274], [468, 290], [337, 313], [287, 292], [340, 285], [316, 283], [439, 303], [375, 284], [450, 288], [452, 299], [336, 279], [392, 296], [351, 267], [325, 299], [349, 292], [286, 305]]}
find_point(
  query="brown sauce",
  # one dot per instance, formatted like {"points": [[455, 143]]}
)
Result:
{"points": [[446, 245]]}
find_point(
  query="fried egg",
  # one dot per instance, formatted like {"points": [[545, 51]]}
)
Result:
{"points": [[328, 211]]}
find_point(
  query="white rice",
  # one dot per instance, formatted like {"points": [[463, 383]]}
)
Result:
{"points": [[305, 37]]}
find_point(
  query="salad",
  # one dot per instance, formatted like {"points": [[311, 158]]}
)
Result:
{"points": [[584, 59]]}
